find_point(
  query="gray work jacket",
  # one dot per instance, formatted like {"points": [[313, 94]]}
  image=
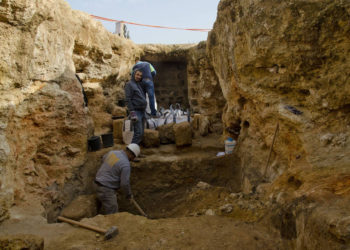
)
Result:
{"points": [[115, 171]]}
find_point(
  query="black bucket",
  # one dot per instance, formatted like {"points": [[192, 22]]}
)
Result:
{"points": [[94, 143], [116, 117], [107, 140]]}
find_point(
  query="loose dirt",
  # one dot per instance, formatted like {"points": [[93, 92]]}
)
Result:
{"points": [[192, 196]]}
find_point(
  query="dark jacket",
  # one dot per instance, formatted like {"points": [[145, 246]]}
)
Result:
{"points": [[147, 69], [134, 96]]}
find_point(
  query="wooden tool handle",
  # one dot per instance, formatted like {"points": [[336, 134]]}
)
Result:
{"points": [[273, 142], [97, 229], [138, 207]]}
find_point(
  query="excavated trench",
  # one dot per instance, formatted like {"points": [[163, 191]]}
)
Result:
{"points": [[161, 182]]}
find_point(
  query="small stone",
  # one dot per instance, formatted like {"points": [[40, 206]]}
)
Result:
{"points": [[162, 241], [282, 198], [71, 151], [326, 139], [234, 195], [227, 208], [203, 185], [210, 212]]}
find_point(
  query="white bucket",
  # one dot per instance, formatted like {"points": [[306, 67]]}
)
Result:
{"points": [[229, 145]]}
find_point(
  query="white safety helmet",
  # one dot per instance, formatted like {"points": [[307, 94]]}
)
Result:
{"points": [[133, 147]]}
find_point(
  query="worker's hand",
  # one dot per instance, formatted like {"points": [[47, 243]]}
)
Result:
{"points": [[133, 116], [129, 197]]}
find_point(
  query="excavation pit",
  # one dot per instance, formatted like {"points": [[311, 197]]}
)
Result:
{"points": [[163, 181]]}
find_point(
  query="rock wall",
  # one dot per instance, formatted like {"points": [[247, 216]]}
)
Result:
{"points": [[287, 63], [205, 93], [44, 121], [44, 125]]}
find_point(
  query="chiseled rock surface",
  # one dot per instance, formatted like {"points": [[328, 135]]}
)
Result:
{"points": [[166, 133], [151, 138], [183, 134]]}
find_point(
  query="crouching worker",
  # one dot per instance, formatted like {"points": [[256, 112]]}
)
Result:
{"points": [[114, 174]]}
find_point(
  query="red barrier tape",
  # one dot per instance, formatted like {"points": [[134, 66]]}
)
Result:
{"points": [[147, 25]]}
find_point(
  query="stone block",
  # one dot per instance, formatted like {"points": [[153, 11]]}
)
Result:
{"points": [[166, 133], [183, 134], [151, 138], [118, 129], [21, 241], [84, 206]]}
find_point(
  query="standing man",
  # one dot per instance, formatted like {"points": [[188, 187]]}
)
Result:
{"points": [[136, 103], [148, 72], [114, 174]]}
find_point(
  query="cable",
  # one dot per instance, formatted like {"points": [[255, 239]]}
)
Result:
{"points": [[147, 25]]}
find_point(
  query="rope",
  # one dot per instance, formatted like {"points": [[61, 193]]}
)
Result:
{"points": [[147, 25]]}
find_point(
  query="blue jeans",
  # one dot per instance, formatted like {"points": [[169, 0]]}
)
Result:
{"points": [[139, 127], [148, 87]]}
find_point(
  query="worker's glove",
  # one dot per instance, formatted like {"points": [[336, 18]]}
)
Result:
{"points": [[129, 197], [133, 116]]}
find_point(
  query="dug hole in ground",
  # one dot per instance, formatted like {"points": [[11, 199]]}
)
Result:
{"points": [[192, 197]]}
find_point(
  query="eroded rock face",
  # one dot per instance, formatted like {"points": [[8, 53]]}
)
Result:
{"points": [[274, 59], [44, 125], [283, 65]]}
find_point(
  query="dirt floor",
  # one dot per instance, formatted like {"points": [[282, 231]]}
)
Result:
{"points": [[206, 231], [136, 232], [192, 196]]}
